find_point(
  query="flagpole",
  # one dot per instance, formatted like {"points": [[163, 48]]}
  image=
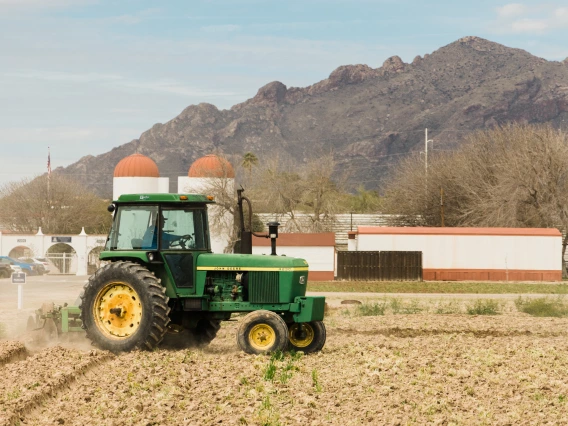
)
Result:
{"points": [[48, 169], [48, 187]]}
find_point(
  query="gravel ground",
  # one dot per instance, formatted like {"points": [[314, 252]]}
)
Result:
{"points": [[391, 369]]}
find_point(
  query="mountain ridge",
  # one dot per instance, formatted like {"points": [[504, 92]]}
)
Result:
{"points": [[369, 117]]}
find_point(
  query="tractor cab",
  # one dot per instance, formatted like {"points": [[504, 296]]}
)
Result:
{"points": [[158, 229], [158, 222]]}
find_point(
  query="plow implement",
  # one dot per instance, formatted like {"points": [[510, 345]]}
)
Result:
{"points": [[52, 324]]}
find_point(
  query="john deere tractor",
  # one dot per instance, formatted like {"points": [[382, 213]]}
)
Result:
{"points": [[163, 278]]}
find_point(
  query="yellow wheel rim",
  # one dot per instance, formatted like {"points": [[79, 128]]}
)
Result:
{"points": [[118, 310], [262, 336], [301, 335]]}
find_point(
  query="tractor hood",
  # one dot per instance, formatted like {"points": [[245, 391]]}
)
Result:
{"points": [[245, 262]]}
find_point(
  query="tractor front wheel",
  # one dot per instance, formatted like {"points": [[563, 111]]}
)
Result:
{"points": [[262, 332], [124, 307], [307, 337]]}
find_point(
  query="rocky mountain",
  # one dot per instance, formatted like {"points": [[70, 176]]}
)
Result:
{"points": [[369, 117]]}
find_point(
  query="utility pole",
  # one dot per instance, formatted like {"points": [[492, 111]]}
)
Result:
{"points": [[426, 140], [442, 205]]}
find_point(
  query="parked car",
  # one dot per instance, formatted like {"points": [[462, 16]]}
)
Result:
{"points": [[28, 268], [5, 271], [35, 261], [46, 264]]}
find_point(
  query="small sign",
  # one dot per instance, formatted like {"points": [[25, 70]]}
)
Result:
{"points": [[18, 278], [21, 240], [61, 239], [101, 241]]}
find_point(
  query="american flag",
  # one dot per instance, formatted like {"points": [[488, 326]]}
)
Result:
{"points": [[48, 163]]}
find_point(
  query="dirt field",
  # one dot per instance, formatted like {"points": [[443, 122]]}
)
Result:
{"points": [[391, 369]]}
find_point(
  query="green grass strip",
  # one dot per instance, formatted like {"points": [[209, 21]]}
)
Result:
{"points": [[437, 287]]}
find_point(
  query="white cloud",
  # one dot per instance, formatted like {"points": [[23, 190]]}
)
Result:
{"points": [[174, 87], [115, 81], [119, 82], [514, 18], [64, 76], [61, 134], [512, 9], [40, 4], [561, 14], [221, 28], [67, 145], [530, 26], [133, 18]]}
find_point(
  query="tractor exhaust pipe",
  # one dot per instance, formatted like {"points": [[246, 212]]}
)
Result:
{"points": [[246, 236], [273, 233]]}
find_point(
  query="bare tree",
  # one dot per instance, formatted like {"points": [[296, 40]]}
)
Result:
{"points": [[515, 176], [63, 207], [286, 188]]}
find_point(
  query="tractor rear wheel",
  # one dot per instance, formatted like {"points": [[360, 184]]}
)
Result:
{"points": [[262, 332], [205, 331], [307, 337], [179, 337], [124, 307]]}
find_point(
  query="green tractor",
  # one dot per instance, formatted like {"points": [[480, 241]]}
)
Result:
{"points": [[163, 279]]}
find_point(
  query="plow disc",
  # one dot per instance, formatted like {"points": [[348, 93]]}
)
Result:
{"points": [[52, 324]]}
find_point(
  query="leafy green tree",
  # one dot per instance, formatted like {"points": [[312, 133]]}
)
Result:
{"points": [[364, 201]]}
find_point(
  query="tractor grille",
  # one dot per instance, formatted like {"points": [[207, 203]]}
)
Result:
{"points": [[264, 287]]}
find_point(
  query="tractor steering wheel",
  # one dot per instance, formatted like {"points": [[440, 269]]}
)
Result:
{"points": [[183, 241]]}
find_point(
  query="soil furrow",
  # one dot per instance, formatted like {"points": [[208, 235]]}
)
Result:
{"points": [[29, 382], [12, 352], [411, 332], [444, 374]]}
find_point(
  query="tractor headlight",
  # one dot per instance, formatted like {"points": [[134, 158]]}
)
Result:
{"points": [[151, 257]]}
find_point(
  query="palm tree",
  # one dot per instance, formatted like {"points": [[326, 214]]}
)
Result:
{"points": [[249, 160]]}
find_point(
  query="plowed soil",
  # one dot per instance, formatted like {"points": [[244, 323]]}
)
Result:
{"points": [[393, 369]]}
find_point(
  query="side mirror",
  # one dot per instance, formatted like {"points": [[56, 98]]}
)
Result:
{"points": [[111, 208]]}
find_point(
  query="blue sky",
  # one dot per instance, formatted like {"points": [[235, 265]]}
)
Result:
{"points": [[84, 76]]}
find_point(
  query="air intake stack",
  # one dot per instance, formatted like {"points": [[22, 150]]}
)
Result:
{"points": [[273, 234]]}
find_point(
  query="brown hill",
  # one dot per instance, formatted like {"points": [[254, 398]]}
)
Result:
{"points": [[369, 117]]}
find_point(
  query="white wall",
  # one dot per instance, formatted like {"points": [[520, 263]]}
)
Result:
{"points": [[163, 185], [136, 185], [39, 244], [318, 258], [472, 251]]}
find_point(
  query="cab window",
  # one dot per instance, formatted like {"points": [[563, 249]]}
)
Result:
{"points": [[184, 229], [134, 227]]}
